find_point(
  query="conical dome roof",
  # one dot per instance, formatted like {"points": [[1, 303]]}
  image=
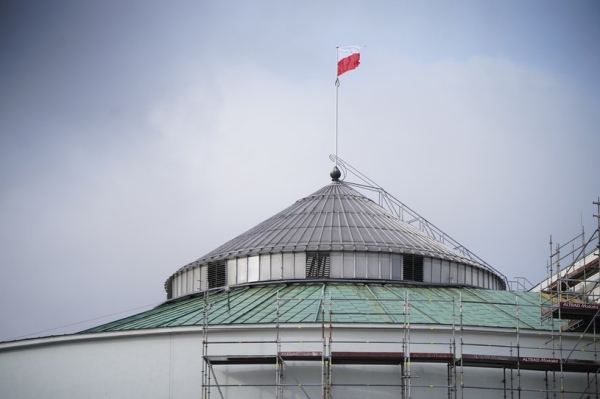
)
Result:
{"points": [[334, 218], [334, 233]]}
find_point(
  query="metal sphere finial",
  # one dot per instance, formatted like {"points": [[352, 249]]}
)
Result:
{"points": [[335, 174]]}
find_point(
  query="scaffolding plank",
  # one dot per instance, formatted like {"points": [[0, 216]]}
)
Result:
{"points": [[539, 363], [573, 310], [492, 361], [241, 359], [579, 365], [367, 357], [301, 355], [426, 357]]}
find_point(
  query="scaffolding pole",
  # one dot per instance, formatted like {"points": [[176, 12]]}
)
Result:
{"points": [[406, 347], [515, 363]]}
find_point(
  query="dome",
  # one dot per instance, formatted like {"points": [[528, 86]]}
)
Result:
{"points": [[329, 229], [334, 218]]}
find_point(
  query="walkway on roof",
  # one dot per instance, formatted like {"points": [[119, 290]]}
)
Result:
{"points": [[375, 303]]}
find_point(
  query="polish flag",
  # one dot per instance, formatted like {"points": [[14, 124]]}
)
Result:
{"points": [[348, 58]]}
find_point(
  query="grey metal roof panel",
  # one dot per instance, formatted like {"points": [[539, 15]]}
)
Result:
{"points": [[336, 217]]}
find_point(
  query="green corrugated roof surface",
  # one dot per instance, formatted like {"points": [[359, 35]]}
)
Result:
{"points": [[350, 303]]}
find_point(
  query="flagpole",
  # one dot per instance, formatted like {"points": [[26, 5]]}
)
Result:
{"points": [[337, 85]]}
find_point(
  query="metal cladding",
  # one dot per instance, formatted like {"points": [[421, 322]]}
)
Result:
{"points": [[334, 218], [351, 303]]}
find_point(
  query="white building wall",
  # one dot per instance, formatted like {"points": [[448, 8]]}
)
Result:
{"points": [[167, 363], [157, 366]]}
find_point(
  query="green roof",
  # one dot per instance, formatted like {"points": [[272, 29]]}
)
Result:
{"points": [[344, 302]]}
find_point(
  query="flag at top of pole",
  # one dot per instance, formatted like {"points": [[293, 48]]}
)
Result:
{"points": [[348, 58]]}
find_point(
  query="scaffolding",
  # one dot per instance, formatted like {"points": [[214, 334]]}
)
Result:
{"points": [[570, 297], [460, 354]]}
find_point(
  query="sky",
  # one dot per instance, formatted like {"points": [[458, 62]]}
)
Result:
{"points": [[137, 136]]}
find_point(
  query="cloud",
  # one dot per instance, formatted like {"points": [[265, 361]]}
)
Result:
{"points": [[489, 150]]}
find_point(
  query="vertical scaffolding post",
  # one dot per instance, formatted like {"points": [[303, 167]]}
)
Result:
{"points": [[406, 345], [452, 383], [323, 350], [462, 354], [597, 216], [329, 365], [504, 380], [278, 361], [595, 341], [518, 351], [512, 376], [205, 364], [560, 337]]}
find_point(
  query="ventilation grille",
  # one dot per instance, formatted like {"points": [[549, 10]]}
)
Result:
{"points": [[317, 265], [169, 288], [217, 277], [412, 267]]}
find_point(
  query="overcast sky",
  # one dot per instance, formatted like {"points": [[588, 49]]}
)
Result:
{"points": [[137, 136]]}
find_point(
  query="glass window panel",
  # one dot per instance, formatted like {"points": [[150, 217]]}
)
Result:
{"points": [[276, 266], [482, 282], [196, 278], [453, 273], [427, 269], [288, 265], [445, 276], [182, 283], [436, 270], [360, 265], [193, 279], [179, 284], [348, 265], [384, 260], [175, 286], [484, 278], [373, 265], [204, 277], [396, 267], [335, 259], [461, 274], [468, 278], [300, 265], [265, 267], [253, 272], [231, 272], [190, 281], [242, 269]]}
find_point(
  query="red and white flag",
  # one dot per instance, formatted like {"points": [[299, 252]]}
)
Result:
{"points": [[348, 58]]}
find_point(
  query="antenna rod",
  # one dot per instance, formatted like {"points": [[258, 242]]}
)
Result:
{"points": [[337, 85]]}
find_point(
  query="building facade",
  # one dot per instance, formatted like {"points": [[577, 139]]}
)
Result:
{"points": [[333, 297]]}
